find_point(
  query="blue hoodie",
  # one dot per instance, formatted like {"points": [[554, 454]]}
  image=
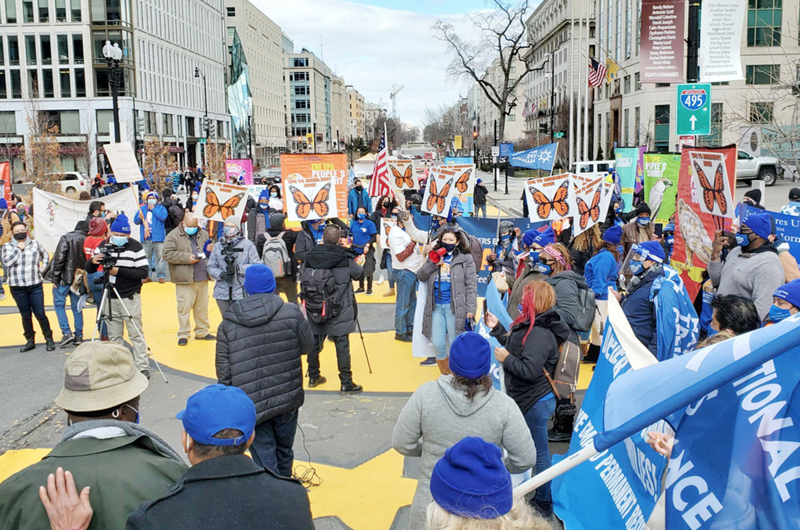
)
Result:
{"points": [[601, 272]]}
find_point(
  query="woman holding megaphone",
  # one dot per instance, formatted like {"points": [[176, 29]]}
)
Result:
{"points": [[452, 292]]}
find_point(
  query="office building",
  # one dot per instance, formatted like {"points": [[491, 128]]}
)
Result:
{"points": [[356, 113]]}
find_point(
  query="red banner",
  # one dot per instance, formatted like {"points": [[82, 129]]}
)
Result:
{"points": [[662, 41], [5, 179], [705, 185]]}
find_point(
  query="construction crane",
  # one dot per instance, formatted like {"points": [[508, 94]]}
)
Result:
{"points": [[393, 96]]}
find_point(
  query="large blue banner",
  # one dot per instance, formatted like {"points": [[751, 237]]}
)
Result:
{"points": [[786, 226], [539, 158], [617, 488]]}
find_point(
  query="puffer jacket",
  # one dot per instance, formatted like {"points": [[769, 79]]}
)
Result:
{"points": [[217, 268], [341, 262], [67, 258], [259, 345], [178, 254], [567, 284], [463, 290]]}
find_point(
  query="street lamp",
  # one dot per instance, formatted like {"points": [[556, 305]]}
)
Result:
{"points": [[113, 55], [197, 74]]}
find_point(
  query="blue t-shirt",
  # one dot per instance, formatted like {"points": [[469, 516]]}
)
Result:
{"points": [[441, 286], [318, 235], [362, 232], [706, 312]]}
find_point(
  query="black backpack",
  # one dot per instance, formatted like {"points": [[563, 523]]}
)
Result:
{"points": [[318, 292]]}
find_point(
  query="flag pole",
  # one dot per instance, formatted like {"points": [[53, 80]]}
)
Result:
{"points": [[571, 86], [588, 91], [578, 127], [555, 470]]}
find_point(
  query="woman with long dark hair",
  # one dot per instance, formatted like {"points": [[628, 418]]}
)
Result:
{"points": [[275, 199], [452, 292], [531, 349], [384, 208]]}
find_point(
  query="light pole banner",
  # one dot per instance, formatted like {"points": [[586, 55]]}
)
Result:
{"points": [[662, 41], [239, 171], [720, 41]]}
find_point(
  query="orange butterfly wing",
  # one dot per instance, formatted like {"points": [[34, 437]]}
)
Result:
{"points": [[560, 200], [462, 184], [320, 203], [595, 209], [408, 180], [229, 208], [441, 199], [303, 207], [432, 194], [708, 191], [543, 204], [719, 190], [583, 210], [398, 178], [212, 204]]}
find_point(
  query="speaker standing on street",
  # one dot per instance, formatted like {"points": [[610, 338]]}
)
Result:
{"points": [[229, 260]]}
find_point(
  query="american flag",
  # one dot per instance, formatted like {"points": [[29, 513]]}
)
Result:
{"points": [[379, 184], [597, 72]]}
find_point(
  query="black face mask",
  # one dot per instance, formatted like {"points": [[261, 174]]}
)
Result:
{"points": [[22, 236], [359, 188], [449, 246]]}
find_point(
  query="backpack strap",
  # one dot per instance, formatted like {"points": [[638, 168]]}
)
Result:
{"points": [[280, 236]]}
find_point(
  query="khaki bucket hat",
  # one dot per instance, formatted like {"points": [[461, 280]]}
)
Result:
{"points": [[99, 376]]}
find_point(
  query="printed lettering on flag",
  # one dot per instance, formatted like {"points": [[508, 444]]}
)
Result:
{"points": [[551, 198]]}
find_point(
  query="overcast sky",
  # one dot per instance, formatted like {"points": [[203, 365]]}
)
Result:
{"points": [[375, 44]]}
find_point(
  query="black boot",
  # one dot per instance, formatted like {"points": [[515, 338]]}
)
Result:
{"points": [[50, 345], [563, 421], [30, 345], [351, 388]]}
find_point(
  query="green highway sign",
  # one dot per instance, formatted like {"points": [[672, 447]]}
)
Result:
{"points": [[202, 140], [558, 135], [694, 109]]}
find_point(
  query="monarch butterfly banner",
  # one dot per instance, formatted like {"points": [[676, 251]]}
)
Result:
{"points": [[439, 192], [311, 201], [694, 223], [220, 201], [386, 225], [401, 175], [592, 201], [465, 184], [550, 198], [309, 171]]}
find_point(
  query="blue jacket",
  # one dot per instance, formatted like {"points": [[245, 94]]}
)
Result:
{"points": [[157, 231], [352, 201], [601, 272], [641, 312]]}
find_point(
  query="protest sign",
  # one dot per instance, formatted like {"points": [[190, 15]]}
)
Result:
{"points": [[627, 164], [661, 173], [712, 182], [550, 198], [401, 175], [5, 180], [312, 170], [439, 192], [255, 191], [592, 201], [123, 162], [239, 171], [311, 201], [55, 215], [386, 225], [219, 201]]}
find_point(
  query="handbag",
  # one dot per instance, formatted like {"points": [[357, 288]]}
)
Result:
{"points": [[564, 380], [500, 282], [78, 285]]}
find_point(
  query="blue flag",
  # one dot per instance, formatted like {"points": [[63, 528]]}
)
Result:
{"points": [[539, 158], [676, 319], [619, 487], [496, 306], [787, 227]]}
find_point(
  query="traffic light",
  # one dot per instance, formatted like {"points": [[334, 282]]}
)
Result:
{"points": [[212, 128], [543, 128], [475, 133]]}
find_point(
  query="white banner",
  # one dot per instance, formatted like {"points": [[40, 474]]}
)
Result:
{"points": [[219, 201], [311, 201], [54, 215], [721, 28], [123, 162]]}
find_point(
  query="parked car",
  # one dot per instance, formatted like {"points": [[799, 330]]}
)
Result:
{"points": [[749, 168], [592, 168], [73, 182], [267, 177]]}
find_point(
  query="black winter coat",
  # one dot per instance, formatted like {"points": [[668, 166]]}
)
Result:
{"points": [[341, 262], [566, 285], [68, 258], [227, 491], [525, 381], [259, 345]]}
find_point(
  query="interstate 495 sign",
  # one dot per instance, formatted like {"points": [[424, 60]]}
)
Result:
{"points": [[694, 110]]}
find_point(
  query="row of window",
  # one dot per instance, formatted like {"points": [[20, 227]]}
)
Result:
{"points": [[39, 11], [69, 50], [42, 83]]}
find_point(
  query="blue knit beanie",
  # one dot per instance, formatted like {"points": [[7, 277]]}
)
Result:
{"points": [[543, 238], [264, 194], [789, 292], [470, 480], [121, 224], [258, 279], [613, 235], [652, 250], [470, 356], [760, 224]]}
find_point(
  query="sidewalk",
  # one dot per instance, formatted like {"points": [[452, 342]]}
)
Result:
{"points": [[508, 203]]}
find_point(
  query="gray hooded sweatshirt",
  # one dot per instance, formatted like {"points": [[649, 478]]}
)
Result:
{"points": [[438, 415]]}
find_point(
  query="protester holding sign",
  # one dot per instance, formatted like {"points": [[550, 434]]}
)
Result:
{"points": [[752, 269]]}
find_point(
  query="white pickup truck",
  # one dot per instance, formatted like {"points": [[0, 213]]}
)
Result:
{"points": [[764, 168]]}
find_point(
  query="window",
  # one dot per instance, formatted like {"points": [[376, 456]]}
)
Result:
{"points": [[13, 50], [66, 89], [44, 11], [231, 11], [3, 91], [76, 10], [627, 84], [80, 83], [626, 126], [77, 49], [301, 104], [627, 30], [513, 70], [300, 62], [512, 117], [764, 22], [637, 123], [47, 83], [104, 120], [8, 122], [61, 10], [33, 84], [619, 31], [766, 74], [638, 26], [166, 125], [662, 128], [743, 156], [63, 49], [715, 138], [27, 11], [47, 51], [30, 49], [301, 90], [16, 84], [67, 121], [637, 81], [761, 112], [11, 11]]}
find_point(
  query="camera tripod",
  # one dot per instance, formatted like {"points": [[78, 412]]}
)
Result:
{"points": [[109, 287]]}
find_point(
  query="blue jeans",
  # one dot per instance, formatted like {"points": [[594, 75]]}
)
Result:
{"points": [[479, 208], [97, 293], [272, 446], [155, 257], [443, 325], [389, 273], [536, 418], [406, 303], [60, 295]]}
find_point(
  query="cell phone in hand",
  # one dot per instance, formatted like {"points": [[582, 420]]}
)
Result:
{"points": [[484, 307]]}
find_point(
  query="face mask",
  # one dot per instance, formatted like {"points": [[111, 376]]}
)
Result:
{"points": [[742, 240], [151, 202], [386, 205], [191, 230], [273, 194], [506, 237], [545, 269], [119, 241], [533, 257], [643, 221], [778, 314], [230, 232], [359, 188], [22, 236], [263, 205], [103, 214], [637, 267], [448, 246], [670, 241], [617, 211], [195, 197], [136, 411], [361, 216]]}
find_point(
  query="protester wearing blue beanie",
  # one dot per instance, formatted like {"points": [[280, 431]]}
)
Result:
{"points": [[121, 225], [470, 356], [613, 235], [541, 238], [259, 279], [786, 302], [760, 224], [651, 250]]}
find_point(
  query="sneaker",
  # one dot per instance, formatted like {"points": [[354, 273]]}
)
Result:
{"points": [[2, 296], [369, 293], [359, 290], [207, 337], [380, 281], [430, 361], [66, 340], [161, 280], [402, 338], [78, 340], [351, 388], [316, 382], [183, 342], [388, 293]]}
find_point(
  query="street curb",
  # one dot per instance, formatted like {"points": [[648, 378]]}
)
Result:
{"points": [[496, 203]]}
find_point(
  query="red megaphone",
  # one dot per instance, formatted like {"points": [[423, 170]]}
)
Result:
{"points": [[436, 255]]}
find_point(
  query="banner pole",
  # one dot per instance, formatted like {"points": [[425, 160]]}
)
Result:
{"points": [[555, 470]]}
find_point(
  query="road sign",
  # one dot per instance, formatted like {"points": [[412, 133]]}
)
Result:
{"points": [[202, 140], [694, 110], [495, 151], [506, 149], [558, 135], [685, 141]]}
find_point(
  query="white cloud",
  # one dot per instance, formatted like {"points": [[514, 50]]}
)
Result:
{"points": [[374, 48]]}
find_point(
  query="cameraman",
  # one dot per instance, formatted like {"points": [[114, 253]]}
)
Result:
{"points": [[125, 265], [229, 259]]}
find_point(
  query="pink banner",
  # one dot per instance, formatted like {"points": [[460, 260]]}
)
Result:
{"points": [[239, 171]]}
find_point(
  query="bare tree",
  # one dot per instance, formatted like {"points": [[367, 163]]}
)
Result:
{"points": [[502, 42], [444, 123], [158, 163], [42, 151]]}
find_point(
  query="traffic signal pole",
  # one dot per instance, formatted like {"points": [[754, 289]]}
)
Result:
{"points": [[692, 70]]}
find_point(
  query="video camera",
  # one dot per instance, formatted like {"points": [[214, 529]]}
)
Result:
{"points": [[110, 255], [229, 251]]}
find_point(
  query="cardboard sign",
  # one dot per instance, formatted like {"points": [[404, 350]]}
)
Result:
{"points": [[221, 202], [311, 201], [386, 225], [550, 198], [439, 192], [123, 162], [592, 202], [310, 170]]}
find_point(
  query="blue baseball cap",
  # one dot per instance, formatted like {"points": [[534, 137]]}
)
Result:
{"points": [[216, 408]]}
